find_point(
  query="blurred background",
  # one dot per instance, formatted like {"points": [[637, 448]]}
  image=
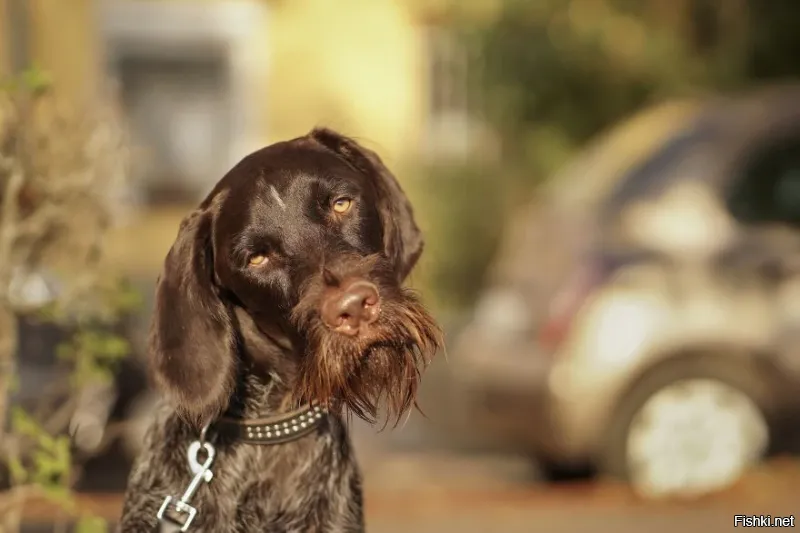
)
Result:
{"points": [[610, 191]]}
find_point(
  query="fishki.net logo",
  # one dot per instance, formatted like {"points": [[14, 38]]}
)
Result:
{"points": [[764, 520]]}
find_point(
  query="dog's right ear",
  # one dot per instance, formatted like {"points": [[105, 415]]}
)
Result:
{"points": [[192, 341], [402, 239]]}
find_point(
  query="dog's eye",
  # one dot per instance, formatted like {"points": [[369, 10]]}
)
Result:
{"points": [[257, 260], [342, 205]]}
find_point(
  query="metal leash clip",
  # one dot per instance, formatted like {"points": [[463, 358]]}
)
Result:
{"points": [[202, 473]]}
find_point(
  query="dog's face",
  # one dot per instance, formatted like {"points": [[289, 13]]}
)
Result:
{"points": [[312, 239]]}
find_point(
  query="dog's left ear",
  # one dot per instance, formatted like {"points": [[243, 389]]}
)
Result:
{"points": [[402, 239]]}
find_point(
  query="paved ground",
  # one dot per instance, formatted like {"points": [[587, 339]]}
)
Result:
{"points": [[488, 496], [416, 483], [425, 492]]}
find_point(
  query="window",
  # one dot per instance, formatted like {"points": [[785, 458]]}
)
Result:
{"points": [[189, 80], [769, 188], [448, 74], [178, 111], [654, 173], [448, 117]]}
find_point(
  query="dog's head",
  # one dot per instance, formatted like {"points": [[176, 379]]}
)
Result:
{"points": [[310, 241]]}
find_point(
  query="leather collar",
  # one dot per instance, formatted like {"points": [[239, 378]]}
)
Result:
{"points": [[277, 429]]}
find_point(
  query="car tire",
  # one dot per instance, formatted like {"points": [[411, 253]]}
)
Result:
{"points": [[702, 406], [556, 472]]}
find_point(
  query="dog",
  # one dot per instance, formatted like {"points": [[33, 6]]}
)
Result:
{"points": [[279, 314]]}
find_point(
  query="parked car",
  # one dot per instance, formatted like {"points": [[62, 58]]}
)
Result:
{"points": [[643, 317]]}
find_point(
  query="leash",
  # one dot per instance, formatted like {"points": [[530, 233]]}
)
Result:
{"points": [[176, 514]]}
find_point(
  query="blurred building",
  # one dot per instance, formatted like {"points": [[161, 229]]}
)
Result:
{"points": [[205, 82]]}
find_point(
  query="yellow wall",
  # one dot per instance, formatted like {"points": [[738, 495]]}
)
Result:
{"points": [[355, 65], [64, 43], [4, 59]]}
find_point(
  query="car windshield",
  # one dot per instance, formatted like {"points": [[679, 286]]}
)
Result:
{"points": [[593, 175], [655, 172], [560, 223]]}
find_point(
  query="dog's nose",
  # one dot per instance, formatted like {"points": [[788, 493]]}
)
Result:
{"points": [[347, 309]]}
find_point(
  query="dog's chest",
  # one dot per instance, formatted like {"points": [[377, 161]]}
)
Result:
{"points": [[253, 486]]}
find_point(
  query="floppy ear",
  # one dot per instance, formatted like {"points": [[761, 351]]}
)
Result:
{"points": [[192, 342], [402, 239]]}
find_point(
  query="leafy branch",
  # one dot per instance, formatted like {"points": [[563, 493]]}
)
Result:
{"points": [[61, 171]]}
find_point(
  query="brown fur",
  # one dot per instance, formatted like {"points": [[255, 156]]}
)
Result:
{"points": [[230, 338]]}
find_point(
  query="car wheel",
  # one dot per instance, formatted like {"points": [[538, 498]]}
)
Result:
{"points": [[689, 431]]}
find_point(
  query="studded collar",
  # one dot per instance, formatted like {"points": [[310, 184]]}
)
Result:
{"points": [[278, 429]]}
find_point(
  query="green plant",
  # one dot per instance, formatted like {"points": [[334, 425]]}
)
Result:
{"points": [[461, 210], [558, 72], [59, 171]]}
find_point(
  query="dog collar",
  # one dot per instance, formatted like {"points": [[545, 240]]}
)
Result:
{"points": [[278, 429]]}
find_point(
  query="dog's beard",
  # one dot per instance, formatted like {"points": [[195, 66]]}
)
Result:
{"points": [[360, 375]]}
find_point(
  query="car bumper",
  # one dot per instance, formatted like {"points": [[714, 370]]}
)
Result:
{"points": [[508, 401]]}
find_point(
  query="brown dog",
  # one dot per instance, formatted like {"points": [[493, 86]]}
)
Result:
{"points": [[280, 309]]}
